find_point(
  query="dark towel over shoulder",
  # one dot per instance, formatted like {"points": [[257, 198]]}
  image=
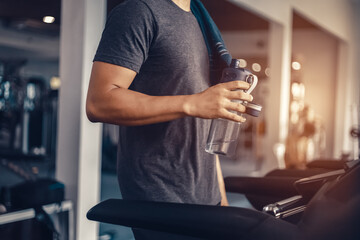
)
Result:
{"points": [[219, 56]]}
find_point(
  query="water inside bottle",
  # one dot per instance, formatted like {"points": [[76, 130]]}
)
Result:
{"points": [[222, 137], [222, 148]]}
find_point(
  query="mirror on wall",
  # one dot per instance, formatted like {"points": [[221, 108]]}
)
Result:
{"points": [[312, 93]]}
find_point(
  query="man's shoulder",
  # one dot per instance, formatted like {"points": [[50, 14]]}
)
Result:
{"points": [[149, 10], [131, 5], [140, 4], [132, 10]]}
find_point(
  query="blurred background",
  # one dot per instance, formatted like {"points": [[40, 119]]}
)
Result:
{"points": [[305, 54]]}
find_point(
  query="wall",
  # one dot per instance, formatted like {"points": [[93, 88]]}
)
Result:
{"points": [[244, 43]]}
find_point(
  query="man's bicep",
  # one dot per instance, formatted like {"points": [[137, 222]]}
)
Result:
{"points": [[106, 76]]}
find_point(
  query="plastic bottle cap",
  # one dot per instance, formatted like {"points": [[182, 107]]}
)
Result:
{"points": [[253, 109]]}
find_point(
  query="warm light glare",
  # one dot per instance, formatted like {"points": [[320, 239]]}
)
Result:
{"points": [[298, 90], [279, 150], [256, 67], [48, 19], [242, 63], [295, 107], [55, 83], [302, 91], [296, 66], [295, 89]]}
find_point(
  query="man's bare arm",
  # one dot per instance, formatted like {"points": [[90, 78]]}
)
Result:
{"points": [[109, 100]]}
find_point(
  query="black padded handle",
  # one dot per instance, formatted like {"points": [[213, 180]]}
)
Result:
{"points": [[209, 222]]}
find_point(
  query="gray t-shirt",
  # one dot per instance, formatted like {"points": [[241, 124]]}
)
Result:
{"points": [[164, 45]]}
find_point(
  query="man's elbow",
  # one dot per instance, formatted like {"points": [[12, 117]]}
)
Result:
{"points": [[92, 112]]}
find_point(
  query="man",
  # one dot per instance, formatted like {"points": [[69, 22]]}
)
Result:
{"points": [[151, 77]]}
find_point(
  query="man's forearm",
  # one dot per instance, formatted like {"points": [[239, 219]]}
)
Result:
{"points": [[126, 107], [109, 100]]}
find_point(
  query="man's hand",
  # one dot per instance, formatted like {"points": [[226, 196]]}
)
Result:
{"points": [[216, 101]]}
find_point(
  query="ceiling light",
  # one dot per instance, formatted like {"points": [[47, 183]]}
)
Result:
{"points": [[267, 72], [256, 67], [48, 19], [296, 65], [55, 83], [242, 63]]}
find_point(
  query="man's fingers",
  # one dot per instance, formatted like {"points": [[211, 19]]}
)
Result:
{"points": [[239, 95], [234, 106], [232, 116], [236, 85]]}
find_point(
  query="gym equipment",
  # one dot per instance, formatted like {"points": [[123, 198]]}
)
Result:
{"points": [[278, 184], [330, 203]]}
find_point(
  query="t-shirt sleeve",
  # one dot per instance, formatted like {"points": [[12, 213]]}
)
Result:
{"points": [[127, 36]]}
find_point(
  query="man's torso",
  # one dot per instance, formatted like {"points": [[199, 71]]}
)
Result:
{"points": [[167, 161]]}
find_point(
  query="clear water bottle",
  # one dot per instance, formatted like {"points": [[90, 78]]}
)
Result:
{"points": [[224, 133]]}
